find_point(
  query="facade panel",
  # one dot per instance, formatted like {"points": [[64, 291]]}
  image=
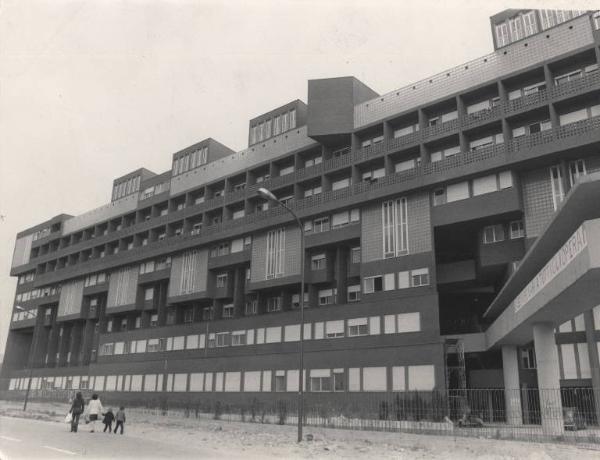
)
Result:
{"points": [[71, 297], [22, 251], [418, 216], [123, 287], [189, 272]]}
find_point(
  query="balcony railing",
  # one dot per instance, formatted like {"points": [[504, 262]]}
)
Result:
{"points": [[526, 102], [473, 119], [441, 128], [570, 88], [403, 141]]}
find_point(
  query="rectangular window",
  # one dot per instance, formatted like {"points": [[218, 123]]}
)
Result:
{"points": [[421, 378], [355, 255], [340, 184], [374, 379], [493, 234], [228, 310], [558, 193], [334, 329], [373, 284], [409, 322], [222, 339], [516, 229], [486, 184], [280, 383], [320, 380], [528, 358], [576, 170], [456, 192], [502, 35], [221, 280], [149, 293], [353, 293], [318, 262], [326, 297], [420, 277], [340, 219], [275, 253], [273, 334], [321, 225], [274, 304], [251, 307], [358, 327]]}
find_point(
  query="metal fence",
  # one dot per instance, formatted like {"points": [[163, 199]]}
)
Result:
{"points": [[569, 415]]}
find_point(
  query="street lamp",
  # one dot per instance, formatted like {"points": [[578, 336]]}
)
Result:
{"points": [[268, 195], [33, 347]]}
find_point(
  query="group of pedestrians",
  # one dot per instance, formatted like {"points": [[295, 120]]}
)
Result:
{"points": [[93, 412]]}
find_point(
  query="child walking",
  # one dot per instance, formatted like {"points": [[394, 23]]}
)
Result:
{"points": [[120, 417], [108, 419]]}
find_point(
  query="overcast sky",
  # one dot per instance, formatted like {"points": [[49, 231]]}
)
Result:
{"points": [[91, 90]]}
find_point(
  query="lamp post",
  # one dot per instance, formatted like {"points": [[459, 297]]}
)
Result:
{"points": [[33, 347], [268, 195]]}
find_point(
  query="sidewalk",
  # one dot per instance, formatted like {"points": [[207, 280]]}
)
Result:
{"points": [[256, 440]]}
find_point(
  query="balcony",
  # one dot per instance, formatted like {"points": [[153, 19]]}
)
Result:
{"points": [[448, 127], [571, 88], [527, 102], [476, 118], [404, 141]]}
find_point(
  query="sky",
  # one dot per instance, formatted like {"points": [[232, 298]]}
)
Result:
{"points": [[92, 90]]}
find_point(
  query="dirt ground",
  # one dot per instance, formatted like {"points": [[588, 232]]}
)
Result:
{"points": [[256, 440]]}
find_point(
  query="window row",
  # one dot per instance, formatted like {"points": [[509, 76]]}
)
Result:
{"points": [[27, 278], [354, 327], [273, 126], [21, 315], [95, 278], [42, 233], [478, 186], [126, 187], [157, 264], [190, 160], [37, 293], [388, 282], [154, 190], [353, 379], [496, 233], [337, 220], [230, 247]]}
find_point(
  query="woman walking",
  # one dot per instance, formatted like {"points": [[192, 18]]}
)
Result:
{"points": [[94, 409], [77, 407]]}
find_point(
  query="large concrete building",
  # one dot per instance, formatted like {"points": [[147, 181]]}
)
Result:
{"points": [[452, 241]]}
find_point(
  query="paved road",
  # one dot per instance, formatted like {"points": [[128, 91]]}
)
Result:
{"points": [[24, 438]]}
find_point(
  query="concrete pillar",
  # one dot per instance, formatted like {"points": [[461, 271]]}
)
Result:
{"points": [[340, 274], [52, 344], [512, 392], [548, 375], [590, 336], [75, 343], [239, 279], [86, 343], [63, 344]]}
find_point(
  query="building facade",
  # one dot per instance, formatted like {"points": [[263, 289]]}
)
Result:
{"points": [[423, 209]]}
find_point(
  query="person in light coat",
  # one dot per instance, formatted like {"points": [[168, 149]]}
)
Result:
{"points": [[94, 410]]}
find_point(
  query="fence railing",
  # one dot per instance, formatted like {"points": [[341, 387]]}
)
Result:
{"points": [[568, 415]]}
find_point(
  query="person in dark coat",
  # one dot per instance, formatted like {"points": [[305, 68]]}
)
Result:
{"points": [[108, 419], [120, 417], [77, 408]]}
